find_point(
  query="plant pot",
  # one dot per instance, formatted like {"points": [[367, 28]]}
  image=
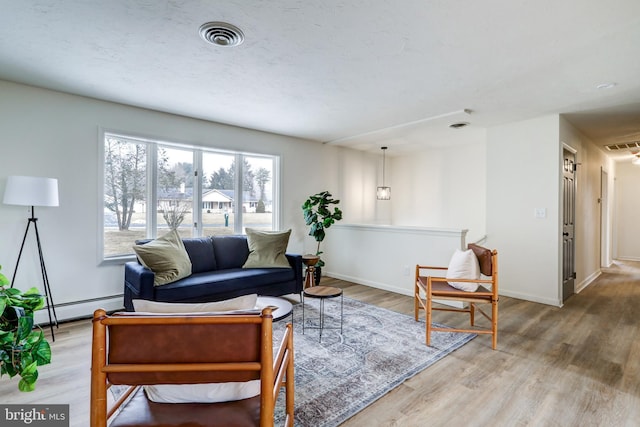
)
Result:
{"points": [[317, 273]]}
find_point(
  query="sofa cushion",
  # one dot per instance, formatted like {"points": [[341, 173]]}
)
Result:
{"points": [[200, 250], [204, 285], [166, 257], [230, 251], [267, 249]]}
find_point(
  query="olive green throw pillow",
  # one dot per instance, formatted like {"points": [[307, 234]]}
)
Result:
{"points": [[267, 248], [166, 257]]}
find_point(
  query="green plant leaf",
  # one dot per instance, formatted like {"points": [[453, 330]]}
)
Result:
{"points": [[29, 377], [42, 352], [25, 326], [8, 367], [6, 337], [12, 292], [318, 216], [26, 386], [22, 349]]}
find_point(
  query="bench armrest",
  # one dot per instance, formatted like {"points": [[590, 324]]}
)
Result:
{"points": [[296, 263], [138, 283]]}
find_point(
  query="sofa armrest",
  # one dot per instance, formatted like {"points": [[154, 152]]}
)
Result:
{"points": [[296, 263], [138, 283]]}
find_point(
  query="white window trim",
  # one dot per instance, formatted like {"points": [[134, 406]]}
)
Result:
{"points": [[197, 226]]}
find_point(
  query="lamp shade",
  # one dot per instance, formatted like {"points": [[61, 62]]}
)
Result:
{"points": [[31, 191]]}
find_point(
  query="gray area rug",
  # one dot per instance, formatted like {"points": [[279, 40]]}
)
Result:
{"points": [[377, 351]]}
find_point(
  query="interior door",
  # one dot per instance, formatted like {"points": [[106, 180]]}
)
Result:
{"points": [[604, 218], [568, 223]]}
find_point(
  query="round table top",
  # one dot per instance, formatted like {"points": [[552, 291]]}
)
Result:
{"points": [[322, 292], [280, 307], [310, 260]]}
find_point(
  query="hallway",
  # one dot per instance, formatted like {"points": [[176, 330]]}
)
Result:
{"points": [[572, 366]]}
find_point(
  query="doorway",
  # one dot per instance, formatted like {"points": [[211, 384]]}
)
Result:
{"points": [[568, 222], [604, 219]]}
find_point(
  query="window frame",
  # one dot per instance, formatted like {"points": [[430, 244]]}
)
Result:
{"points": [[151, 226]]}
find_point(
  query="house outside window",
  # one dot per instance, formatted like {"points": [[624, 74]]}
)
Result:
{"points": [[152, 187]]}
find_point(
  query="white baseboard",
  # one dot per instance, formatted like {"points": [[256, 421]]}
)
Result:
{"points": [[528, 297], [377, 285], [628, 258], [385, 287], [79, 309], [586, 282]]}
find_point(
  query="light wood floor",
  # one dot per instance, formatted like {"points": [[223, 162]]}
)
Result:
{"points": [[573, 366]]}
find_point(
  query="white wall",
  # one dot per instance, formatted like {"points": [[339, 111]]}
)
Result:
{"points": [[385, 257], [627, 210], [356, 172], [46, 133], [442, 187], [523, 173]]}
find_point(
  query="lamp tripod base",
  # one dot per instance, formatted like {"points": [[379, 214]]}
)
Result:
{"points": [[51, 310]]}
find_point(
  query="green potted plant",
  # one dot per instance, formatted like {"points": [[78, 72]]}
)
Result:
{"points": [[319, 216], [22, 348]]}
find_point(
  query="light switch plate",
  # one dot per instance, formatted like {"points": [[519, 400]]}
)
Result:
{"points": [[540, 213]]}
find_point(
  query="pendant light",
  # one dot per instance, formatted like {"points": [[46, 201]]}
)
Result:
{"points": [[383, 193]]}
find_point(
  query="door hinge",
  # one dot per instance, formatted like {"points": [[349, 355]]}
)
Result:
{"points": [[574, 275], [575, 167]]}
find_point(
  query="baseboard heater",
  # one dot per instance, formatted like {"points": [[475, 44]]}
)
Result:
{"points": [[82, 309]]}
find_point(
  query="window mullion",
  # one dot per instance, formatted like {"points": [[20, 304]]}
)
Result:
{"points": [[152, 191], [238, 199], [196, 207]]}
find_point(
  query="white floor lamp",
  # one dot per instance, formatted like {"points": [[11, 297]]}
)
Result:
{"points": [[34, 191]]}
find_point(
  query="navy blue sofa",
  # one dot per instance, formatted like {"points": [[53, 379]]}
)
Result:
{"points": [[217, 274]]}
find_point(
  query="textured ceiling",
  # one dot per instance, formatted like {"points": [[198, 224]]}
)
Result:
{"points": [[351, 72]]}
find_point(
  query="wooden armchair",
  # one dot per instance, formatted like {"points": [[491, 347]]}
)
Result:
{"points": [[429, 288], [137, 349]]}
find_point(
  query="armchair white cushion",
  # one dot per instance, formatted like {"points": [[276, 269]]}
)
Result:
{"points": [[463, 265]]}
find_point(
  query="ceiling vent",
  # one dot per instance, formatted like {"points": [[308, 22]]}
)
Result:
{"points": [[623, 146], [221, 34], [458, 125]]}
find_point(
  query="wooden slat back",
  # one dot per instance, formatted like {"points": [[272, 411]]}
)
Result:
{"points": [[152, 343]]}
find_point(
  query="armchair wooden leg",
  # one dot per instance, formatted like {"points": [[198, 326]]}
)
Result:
{"points": [[428, 321], [416, 295], [472, 313], [416, 302], [494, 324]]}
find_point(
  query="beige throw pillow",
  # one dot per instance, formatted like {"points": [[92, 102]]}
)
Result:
{"points": [[267, 249], [166, 257]]}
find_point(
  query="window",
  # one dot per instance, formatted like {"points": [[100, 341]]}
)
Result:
{"points": [[151, 187]]}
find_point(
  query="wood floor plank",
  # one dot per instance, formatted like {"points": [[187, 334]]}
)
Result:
{"points": [[578, 365]]}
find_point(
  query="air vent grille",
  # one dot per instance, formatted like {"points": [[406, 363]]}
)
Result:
{"points": [[623, 146], [221, 34]]}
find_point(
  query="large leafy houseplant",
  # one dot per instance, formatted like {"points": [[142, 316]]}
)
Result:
{"points": [[319, 216], [22, 348]]}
